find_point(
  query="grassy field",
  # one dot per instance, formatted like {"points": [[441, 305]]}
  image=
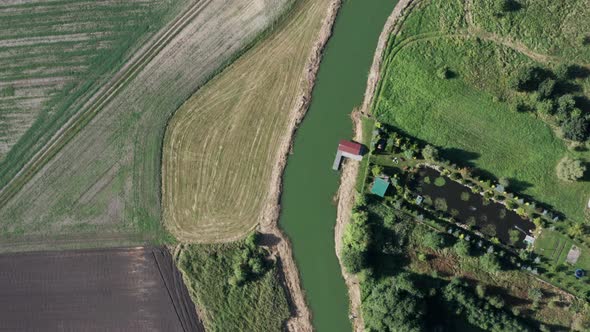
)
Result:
{"points": [[221, 146], [104, 181], [258, 305], [54, 55], [554, 28], [468, 115]]}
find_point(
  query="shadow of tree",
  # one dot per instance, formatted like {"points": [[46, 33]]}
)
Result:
{"points": [[464, 157]]}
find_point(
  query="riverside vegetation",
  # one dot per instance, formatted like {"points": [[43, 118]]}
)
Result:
{"points": [[486, 86]]}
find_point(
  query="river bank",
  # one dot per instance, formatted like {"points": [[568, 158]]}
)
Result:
{"points": [[346, 190], [308, 213]]}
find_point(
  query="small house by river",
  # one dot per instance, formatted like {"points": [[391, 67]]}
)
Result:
{"points": [[347, 149]]}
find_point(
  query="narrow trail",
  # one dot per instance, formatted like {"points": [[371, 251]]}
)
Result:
{"points": [[101, 98]]}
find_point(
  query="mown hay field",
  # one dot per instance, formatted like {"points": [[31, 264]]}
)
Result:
{"points": [[469, 115], [54, 55], [104, 182], [222, 145]]}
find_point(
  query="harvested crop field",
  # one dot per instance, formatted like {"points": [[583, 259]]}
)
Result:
{"points": [[101, 175], [136, 289], [54, 54], [223, 146]]}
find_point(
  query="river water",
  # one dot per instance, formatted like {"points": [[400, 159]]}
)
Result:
{"points": [[308, 212]]}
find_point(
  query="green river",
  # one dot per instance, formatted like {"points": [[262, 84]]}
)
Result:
{"points": [[308, 212]]}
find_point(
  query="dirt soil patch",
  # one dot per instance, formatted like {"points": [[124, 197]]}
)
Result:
{"points": [[135, 289]]}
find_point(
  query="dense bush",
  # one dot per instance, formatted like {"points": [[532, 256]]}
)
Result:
{"points": [[569, 169], [462, 248], [430, 153], [249, 263], [393, 305], [490, 263], [478, 313], [546, 88], [433, 240], [526, 78], [356, 242], [444, 73], [575, 128]]}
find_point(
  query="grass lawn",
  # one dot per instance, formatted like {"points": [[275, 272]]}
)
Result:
{"points": [[468, 115], [258, 305], [471, 125], [222, 145], [367, 128]]}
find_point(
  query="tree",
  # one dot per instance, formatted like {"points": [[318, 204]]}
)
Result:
{"points": [[355, 242], [444, 73], [353, 260], [496, 301], [503, 6], [575, 128], [576, 230], [376, 170], [535, 294], [570, 169], [462, 248], [391, 308], [565, 104], [504, 182], [480, 290], [546, 88], [433, 240], [562, 71], [430, 153], [514, 236], [526, 78], [490, 263], [440, 204]]}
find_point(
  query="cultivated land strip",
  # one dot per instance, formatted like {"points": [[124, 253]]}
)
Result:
{"points": [[70, 48], [106, 179], [99, 100]]}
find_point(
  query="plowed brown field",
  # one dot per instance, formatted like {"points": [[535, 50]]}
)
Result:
{"points": [[136, 289]]}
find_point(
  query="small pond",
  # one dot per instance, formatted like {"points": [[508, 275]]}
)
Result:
{"points": [[456, 200]]}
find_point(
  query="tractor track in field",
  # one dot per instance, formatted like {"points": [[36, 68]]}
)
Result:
{"points": [[100, 99]]}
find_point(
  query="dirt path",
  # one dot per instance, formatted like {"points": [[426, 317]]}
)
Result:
{"points": [[346, 191], [301, 318]]}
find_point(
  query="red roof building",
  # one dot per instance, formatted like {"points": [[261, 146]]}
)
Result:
{"points": [[347, 149], [350, 147]]}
